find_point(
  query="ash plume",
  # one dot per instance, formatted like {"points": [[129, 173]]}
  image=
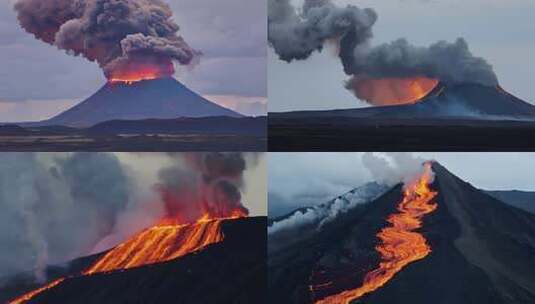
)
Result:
{"points": [[55, 208], [295, 34], [120, 35], [197, 184]]}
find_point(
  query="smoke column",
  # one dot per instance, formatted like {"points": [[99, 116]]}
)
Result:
{"points": [[295, 34], [387, 170], [56, 207], [127, 38], [202, 183]]}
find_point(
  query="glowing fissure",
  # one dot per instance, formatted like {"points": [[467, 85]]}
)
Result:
{"points": [[400, 245], [163, 242]]}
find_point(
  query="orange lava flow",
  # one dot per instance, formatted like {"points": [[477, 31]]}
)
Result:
{"points": [[400, 244], [132, 79], [26, 297], [159, 244], [163, 242], [392, 91]]}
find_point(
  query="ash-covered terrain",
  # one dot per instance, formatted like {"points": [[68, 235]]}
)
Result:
{"points": [[482, 251]]}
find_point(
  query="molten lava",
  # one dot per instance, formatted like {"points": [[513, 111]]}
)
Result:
{"points": [[159, 244], [392, 91], [163, 242], [26, 297], [400, 244], [139, 70]]}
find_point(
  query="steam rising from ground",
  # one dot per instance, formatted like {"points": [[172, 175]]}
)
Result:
{"points": [[387, 170], [56, 207], [295, 34], [122, 36]]}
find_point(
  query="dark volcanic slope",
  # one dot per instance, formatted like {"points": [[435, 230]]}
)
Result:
{"points": [[483, 251], [465, 117], [160, 98], [521, 199], [229, 272], [471, 101]]}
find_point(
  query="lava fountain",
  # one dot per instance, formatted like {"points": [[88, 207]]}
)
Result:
{"points": [[400, 245], [392, 91], [162, 242]]}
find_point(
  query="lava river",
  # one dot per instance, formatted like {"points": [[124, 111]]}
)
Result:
{"points": [[400, 243], [163, 242]]}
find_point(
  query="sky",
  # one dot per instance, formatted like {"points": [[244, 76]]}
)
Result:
{"points": [[305, 179], [38, 81], [500, 31]]}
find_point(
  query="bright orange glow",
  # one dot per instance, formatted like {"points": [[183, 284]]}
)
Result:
{"points": [[139, 70], [160, 244], [131, 79], [26, 297], [400, 244], [392, 91], [163, 242]]}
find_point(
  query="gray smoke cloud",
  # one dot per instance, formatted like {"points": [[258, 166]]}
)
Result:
{"points": [[202, 183], [295, 35], [56, 207], [391, 168], [387, 170], [120, 35]]}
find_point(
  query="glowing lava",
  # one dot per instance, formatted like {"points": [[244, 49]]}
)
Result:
{"points": [[133, 71], [392, 91], [400, 244], [163, 242], [31, 294]]}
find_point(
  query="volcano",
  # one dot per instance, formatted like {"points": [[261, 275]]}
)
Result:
{"points": [[163, 264], [445, 101], [162, 98], [469, 247], [451, 117]]}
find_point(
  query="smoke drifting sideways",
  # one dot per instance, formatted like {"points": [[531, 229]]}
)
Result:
{"points": [[295, 34], [127, 38], [387, 170], [56, 207]]}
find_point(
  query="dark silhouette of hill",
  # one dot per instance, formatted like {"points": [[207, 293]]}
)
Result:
{"points": [[163, 98], [521, 199], [462, 117], [460, 101]]}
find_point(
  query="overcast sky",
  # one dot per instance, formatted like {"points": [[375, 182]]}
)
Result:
{"points": [[501, 31], [304, 179], [38, 81]]}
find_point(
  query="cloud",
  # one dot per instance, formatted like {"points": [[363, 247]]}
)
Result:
{"points": [[233, 43]]}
